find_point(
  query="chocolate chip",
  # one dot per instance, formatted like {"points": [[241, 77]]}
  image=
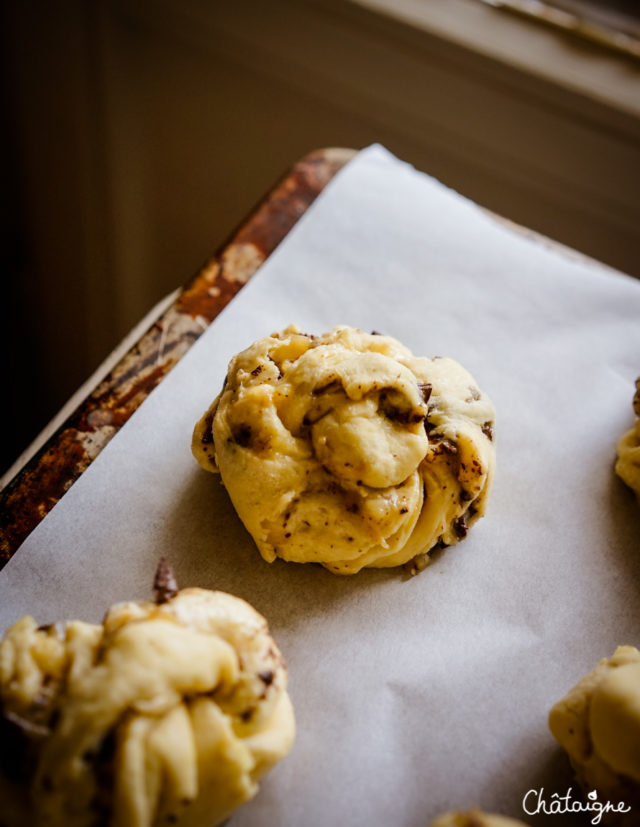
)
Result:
{"points": [[57, 628], [257, 370], [164, 584], [396, 415], [425, 389], [271, 359], [242, 435], [487, 430], [207, 435], [460, 526]]}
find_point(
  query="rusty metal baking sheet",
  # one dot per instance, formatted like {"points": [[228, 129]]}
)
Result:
{"points": [[439, 684], [33, 492]]}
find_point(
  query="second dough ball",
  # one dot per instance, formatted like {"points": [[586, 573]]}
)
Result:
{"points": [[347, 450], [165, 713], [598, 724], [475, 818]]}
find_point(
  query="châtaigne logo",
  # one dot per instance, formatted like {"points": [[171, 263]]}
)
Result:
{"points": [[534, 802]]}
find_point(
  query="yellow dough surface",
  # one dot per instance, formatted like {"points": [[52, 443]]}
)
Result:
{"points": [[598, 724], [475, 818], [347, 450], [165, 714], [628, 463]]}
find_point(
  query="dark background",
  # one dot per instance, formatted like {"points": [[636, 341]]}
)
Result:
{"points": [[139, 134]]}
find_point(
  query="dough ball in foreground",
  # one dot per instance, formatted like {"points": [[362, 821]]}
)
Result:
{"points": [[475, 818], [346, 450], [167, 713], [598, 725], [628, 463]]}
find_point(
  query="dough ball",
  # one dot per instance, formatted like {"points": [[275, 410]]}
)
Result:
{"points": [[475, 818], [347, 450], [167, 713], [598, 724], [628, 463]]}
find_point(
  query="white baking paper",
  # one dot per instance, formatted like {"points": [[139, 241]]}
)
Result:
{"points": [[412, 695]]}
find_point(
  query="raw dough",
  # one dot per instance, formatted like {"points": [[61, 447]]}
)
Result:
{"points": [[598, 724], [628, 464], [165, 714], [346, 450]]}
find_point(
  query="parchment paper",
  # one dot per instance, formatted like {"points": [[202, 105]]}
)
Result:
{"points": [[412, 695]]}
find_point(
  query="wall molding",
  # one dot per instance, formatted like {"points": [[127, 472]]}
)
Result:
{"points": [[495, 132]]}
